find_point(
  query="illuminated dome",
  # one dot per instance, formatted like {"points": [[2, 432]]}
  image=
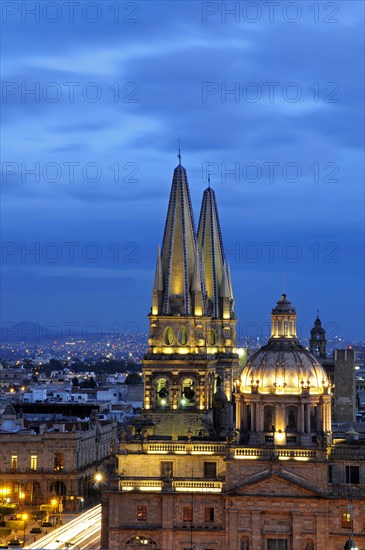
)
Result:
{"points": [[283, 365]]}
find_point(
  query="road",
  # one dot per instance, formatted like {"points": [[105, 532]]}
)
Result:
{"points": [[82, 532]]}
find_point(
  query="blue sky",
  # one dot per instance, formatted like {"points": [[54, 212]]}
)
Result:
{"points": [[268, 100]]}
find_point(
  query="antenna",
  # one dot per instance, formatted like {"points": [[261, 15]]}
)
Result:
{"points": [[209, 181], [284, 281]]}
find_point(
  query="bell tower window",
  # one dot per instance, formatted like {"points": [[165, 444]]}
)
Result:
{"points": [[182, 336], [169, 336]]}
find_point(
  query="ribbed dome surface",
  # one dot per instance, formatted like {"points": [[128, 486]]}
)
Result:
{"points": [[284, 364]]}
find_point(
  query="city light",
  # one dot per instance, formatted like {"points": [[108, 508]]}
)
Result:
{"points": [[98, 477], [76, 531]]}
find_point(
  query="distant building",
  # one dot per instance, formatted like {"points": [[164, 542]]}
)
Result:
{"points": [[14, 376], [42, 459], [341, 370]]}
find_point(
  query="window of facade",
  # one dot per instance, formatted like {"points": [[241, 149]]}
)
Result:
{"points": [[313, 419], [162, 392], [169, 336], [277, 544], [210, 470], [187, 513], [141, 513], [291, 418], [14, 462], [33, 462], [208, 514], [212, 337], [166, 469], [352, 474], [346, 521], [141, 541], [269, 418], [182, 336], [188, 393], [59, 461]]}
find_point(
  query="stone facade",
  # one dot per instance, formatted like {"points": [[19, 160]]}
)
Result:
{"points": [[226, 496], [57, 462], [187, 477]]}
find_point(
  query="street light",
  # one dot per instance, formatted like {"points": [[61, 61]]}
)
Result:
{"points": [[98, 477]]}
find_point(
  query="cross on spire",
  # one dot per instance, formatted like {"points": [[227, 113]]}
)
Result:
{"points": [[179, 153]]}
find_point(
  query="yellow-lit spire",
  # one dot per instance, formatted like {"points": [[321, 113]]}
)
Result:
{"points": [[217, 276], [179, 249]]}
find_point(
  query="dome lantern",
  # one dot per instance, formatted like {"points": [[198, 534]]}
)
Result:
{"points": [[283, 319]]}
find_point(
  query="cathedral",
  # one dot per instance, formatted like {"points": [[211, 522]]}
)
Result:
{"points": [[224, 457]]}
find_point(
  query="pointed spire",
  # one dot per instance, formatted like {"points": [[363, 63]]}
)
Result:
{"points": [[196, 284], [179, 248], [230, 282], [224, 291], [196, 287], [211, 248], [158, 283]]}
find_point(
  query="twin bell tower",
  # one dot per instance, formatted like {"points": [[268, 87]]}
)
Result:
{"points": [[191, 360]]}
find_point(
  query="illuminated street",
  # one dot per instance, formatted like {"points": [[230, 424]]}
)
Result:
{"points": [[82, 532]]}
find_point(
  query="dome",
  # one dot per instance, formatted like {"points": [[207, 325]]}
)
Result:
{"points": [[284, 366]]}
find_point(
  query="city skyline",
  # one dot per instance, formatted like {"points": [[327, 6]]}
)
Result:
{"points": [[268, 104]]}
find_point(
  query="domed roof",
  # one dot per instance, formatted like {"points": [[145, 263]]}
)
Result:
{"points": [[284, 366]]}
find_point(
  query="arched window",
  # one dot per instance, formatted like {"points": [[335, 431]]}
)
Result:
{"points": [[269, 418], [212, 337], [169, 336], [313, 418], [292, 418], [140, 541], [162, 392], [187, 393], [245, 544], [182, 336]]}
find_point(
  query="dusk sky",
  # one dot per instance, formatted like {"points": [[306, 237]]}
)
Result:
{"points": [[268, 100]]}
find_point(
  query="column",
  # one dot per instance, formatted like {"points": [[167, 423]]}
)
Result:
{"points": [[243, 410], [256, 530], [296, 530], [319, 416], [253, 419], [301, 418], [257, 413], [328, 417], [237, 399], [232, 531]]}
